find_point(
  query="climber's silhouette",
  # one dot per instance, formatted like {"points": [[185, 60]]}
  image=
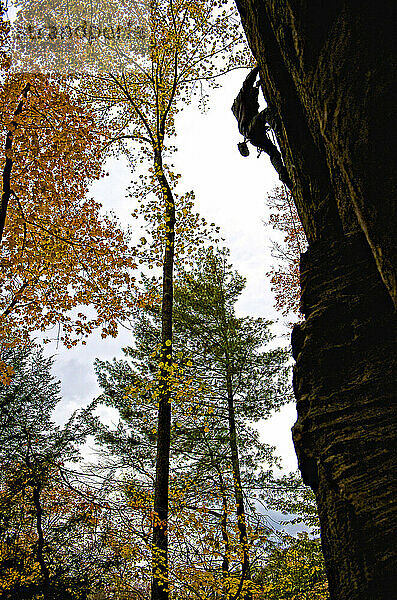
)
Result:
{"points": [[254, 125]]}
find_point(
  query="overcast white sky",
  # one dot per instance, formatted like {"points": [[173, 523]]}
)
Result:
{"points": [[230, 191]]}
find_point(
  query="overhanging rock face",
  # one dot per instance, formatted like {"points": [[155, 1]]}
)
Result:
{"points": [[329, 71], [344, 382]]}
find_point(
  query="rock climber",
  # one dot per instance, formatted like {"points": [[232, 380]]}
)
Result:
{"points": [[254, 125]]}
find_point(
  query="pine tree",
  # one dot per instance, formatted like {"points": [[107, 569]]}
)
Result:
{"points": [[222, 381]]}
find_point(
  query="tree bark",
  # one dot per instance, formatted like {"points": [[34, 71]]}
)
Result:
{"points": [[160, 580], [224, 531], [5, 198], [40, 542], [36, 491], [329, 71], [226, 549], [238, 495]]}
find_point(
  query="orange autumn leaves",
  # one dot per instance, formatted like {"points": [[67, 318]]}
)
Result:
{"points": [[59, 251], [284, 277]]}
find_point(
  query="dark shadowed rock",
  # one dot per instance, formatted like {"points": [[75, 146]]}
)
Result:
{"points": [[328, 69]]}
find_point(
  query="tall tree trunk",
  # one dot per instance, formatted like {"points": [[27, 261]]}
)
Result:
{"points": [[36, 491], [226, 545], [5, 198], [160, 581], [238, 495], [40, 542], [328, 70], [225, 535]]}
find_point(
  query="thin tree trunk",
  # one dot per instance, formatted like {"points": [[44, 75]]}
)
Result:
{"points": [[238, 494], [225, 535], [5, 198], [160, 583], [223, 523], [39, 523], [225, 538], [40, 542]]}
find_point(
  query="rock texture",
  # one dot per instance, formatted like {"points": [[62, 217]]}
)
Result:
{"points": [[328, 69], [345, 436]]}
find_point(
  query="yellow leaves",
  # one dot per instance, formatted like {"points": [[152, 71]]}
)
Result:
{"points": [[26, 570], [63, 511]]}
